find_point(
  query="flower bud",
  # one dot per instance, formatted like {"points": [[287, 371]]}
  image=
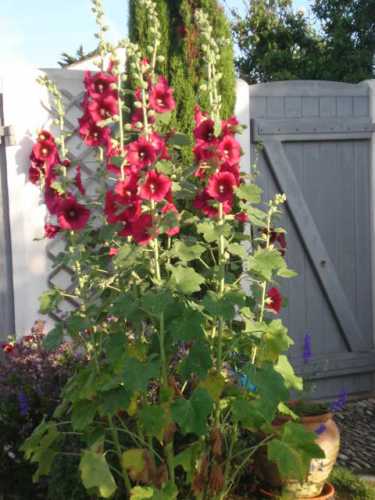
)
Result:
{"points": [[137, 104]]}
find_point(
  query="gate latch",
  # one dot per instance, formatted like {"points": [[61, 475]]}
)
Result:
{"points": [[7, 131]]}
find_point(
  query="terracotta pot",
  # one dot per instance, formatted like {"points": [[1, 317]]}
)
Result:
{"points": [[328, 493], [320, 468]]}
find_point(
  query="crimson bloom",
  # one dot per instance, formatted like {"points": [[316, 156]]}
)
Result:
{"points": [[205, 131], [234, 169], [45, 152], [91, 134], [161, 97], [275, 300], [205, 152], [103, 108], [204, 202], [230, 149], [72, 216], [44, 135], [155, 187], [78, 180], [51, 230], [141, 229], [99, 84], [141, 153], [168, 208], [230, 125], [221, 185], [52, 199]]}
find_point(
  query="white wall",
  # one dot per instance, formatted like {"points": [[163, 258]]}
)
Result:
{"points": [[23, 110]]}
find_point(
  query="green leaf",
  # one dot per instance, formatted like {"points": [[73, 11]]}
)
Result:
{"points": [[187, 459], [153, 420], [179, 140], [198, 360], [192, 414], [156, 302], [286, 273], [237, 249], [126, 256], [95, 473], [113, 401], [250, 192], [187, 327], [163, 118], [265, 262], [54, 338], [141, 493], [275, 340], [212, 231], [83, 413], [164, 167], [117, 160], [45, 458], [214, 385], [137, 375], [294, 451], [186, 280], [49, 300], [187, 252], [286, 370], [133, 460], [224, 307]]}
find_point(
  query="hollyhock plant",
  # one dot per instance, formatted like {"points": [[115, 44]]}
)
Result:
{"points": [[51, 230], [158, 259], [72, 216]]}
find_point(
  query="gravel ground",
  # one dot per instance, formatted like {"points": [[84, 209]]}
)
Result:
{"points": [[357, 425]]}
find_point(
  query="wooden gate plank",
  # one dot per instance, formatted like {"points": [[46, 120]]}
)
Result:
{"points": [[315, 247]]}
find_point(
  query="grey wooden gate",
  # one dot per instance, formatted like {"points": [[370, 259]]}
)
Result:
{"points": [[7, 326], [315, 140]]}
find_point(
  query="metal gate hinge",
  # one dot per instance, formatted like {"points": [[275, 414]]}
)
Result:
{"points": [[7, 131]]}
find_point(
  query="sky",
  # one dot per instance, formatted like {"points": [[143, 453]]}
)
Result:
{"points": [[38, 31]]}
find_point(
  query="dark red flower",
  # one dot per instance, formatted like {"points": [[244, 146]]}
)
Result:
{"points": [[113, 251], [199, 115], [45, 152], [78, 180], [52, 199], [8, 348], [242, 217], [91, 134], [160, 146], [112, 207], [234, 169], [204, 202], [51, 230], [44, 135], [103, 108], [141, 153], [280, 240], [71, 215], [170, 207], [161, 97], [275, 300], [36, 169], [220, 186], [229, 126], [230, 149], [100, 84], [142, 229], [206, 152], [155, 187], [128, 186], [205, 131]]}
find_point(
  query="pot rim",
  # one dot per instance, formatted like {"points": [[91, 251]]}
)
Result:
{"points": [[328, 490]]}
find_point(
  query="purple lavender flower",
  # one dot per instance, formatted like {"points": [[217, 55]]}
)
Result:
{"points": [[23, 403], [340, 402], [307, 351], [320, 430]]}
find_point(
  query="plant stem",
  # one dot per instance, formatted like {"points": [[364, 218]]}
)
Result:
{"points": [[221, 289], [116, 440]]}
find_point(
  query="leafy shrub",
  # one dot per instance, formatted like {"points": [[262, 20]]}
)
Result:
{"points": [[349, 486]]}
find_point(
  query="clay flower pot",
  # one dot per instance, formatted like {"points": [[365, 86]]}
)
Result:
{"points": [[328, 493], [328, 438]]}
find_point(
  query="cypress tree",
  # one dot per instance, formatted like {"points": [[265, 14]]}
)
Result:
{"points": [[180, 47]]}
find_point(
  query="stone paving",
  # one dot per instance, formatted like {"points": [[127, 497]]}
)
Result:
{"points": [[357, 425]]}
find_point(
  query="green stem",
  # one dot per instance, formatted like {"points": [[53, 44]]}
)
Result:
{"points": [[221, 289], [116, 440]]}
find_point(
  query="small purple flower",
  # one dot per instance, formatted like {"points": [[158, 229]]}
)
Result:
{"points": [[23, 403], [307, 351], [320, 430], [340, 402]]}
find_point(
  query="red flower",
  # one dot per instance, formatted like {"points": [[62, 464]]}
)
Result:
{"points": [[52, 199], [113, 251], [242, 217], [99, 84], [155, 187], [275, 300], [280, 240], [128, 186], [72, 215], [45, 152], [230, 126], [160, 146], [78, 180], [204, 202], [234, 169], [103, 108], [44, 135], [205, 131], [50, 231], [141, 153], [141, 229], [7, 348], [199, 115], [91, 134], [220, 186], [161, 97], [230, 149], [170, 207], [112, 207], [206, 151], [36, 169]]}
